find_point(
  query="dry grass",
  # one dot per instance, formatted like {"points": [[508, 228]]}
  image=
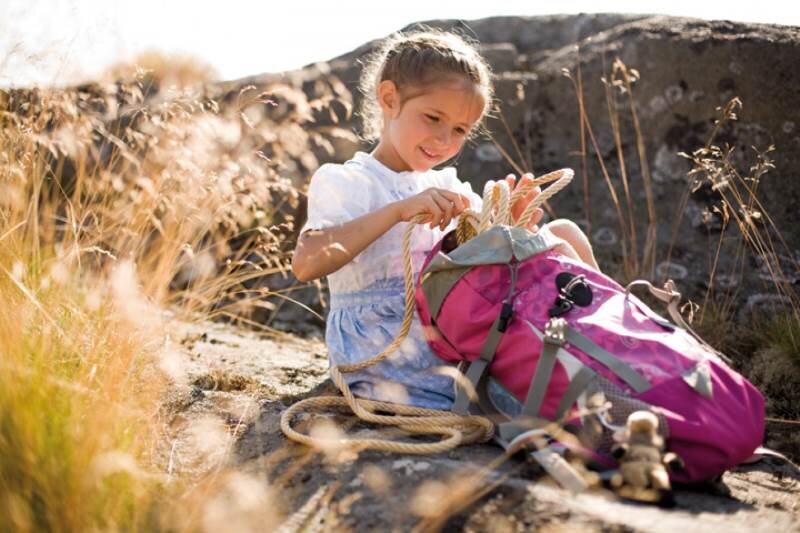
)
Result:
{"points": [[737, 210], [177, 70], [123, 200], [77, 390]]}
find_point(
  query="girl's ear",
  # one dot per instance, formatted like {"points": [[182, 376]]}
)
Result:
{"points": [[388, 97]]}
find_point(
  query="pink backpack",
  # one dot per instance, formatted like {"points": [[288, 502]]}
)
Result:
{"points": [[553, 331]]}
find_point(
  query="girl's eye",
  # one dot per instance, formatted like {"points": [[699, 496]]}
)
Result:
{"points": [[434, 118]]}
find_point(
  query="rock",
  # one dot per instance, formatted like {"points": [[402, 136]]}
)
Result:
{"points": [[687, 68], [375, 490], [502, 56]]}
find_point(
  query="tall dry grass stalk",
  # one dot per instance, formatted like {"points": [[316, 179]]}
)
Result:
{"points": [[78, 386], [125, 203], [619, 83], [735, 193]]}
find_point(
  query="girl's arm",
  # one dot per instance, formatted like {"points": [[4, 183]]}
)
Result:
{"points": [[322, 251]]}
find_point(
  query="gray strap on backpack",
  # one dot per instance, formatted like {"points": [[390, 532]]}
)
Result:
{"points": [[576, 387], [625, 372], [553, 340], [475, 372]]}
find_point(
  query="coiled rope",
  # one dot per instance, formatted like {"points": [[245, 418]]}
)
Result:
{"points": [[453, 429]]}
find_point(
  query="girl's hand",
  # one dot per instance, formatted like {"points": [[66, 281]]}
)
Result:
{"points": [[519, 207], [440, 204]]}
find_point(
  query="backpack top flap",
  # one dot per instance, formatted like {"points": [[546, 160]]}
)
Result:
{"points": [[498, 244]]}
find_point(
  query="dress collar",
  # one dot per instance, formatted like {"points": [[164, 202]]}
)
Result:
{"points": [[369, 160]]}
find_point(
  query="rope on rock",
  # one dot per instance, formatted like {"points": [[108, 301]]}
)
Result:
{"points": [[453, 429]]}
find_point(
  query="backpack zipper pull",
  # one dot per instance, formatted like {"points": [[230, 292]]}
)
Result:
{"points": [[505, 316], [507, 311]]}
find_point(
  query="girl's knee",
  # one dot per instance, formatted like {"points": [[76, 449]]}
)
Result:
{"points": [[566, 248], [566, 229], [577, 242]]}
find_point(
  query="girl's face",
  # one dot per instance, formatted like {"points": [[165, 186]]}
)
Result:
{"points": [[430, 128]]}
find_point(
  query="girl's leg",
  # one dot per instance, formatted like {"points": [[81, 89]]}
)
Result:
{"points": [[575, 239]]}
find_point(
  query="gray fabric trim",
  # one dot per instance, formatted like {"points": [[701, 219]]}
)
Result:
{"points": [[541, 379], [699, 378], [474, 375], [637, 381], [508, 431], [436, 286], [492, 340], [615, 364], [577, 385], [485, 405], [498, 244], [565, 357]]}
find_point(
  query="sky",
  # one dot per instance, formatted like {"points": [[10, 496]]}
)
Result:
{"points": [[60, 42]]}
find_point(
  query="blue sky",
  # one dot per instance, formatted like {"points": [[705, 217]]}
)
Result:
{"points": [[65, 41]]}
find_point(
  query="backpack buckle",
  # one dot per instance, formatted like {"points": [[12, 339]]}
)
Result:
{"points": [[572, 290], [555, 331], [561, 306]]}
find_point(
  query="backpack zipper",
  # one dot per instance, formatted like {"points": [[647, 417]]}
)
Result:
{"points": [[507, 311]]}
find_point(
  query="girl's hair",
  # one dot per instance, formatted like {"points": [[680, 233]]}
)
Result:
{"points": [[416, 62]]}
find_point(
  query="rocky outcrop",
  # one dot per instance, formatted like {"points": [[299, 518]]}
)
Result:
{"points": [[687, 69]]}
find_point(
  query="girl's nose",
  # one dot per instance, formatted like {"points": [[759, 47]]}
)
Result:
{"points": [[444, 136]]}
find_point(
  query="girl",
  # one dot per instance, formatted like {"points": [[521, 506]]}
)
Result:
{"points": [[425, 94]]}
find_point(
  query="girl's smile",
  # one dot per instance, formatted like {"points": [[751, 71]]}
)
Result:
{"points": [[430, 155]]}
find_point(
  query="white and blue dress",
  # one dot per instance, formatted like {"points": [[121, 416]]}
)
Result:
{"points": [[367, 295]]}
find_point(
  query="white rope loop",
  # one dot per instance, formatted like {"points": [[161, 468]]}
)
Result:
{"points": [[486, 211], [500, 197], [562, 178]]}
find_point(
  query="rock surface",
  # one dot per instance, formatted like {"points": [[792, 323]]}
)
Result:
{"points": [[688, 68], [239, 383]]}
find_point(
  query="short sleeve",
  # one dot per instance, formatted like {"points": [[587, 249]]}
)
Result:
{"points": [[336, 195]]}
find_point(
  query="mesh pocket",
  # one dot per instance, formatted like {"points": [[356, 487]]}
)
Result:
{"points": [[601, 438]]}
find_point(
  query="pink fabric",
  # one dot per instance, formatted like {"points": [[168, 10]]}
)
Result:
{"points": [[710, 435]]}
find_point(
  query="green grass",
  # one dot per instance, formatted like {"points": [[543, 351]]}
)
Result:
{"points": [[77, 393]]}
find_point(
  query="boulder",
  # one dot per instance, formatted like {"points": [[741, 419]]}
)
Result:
{"points": [[688, 70]]}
